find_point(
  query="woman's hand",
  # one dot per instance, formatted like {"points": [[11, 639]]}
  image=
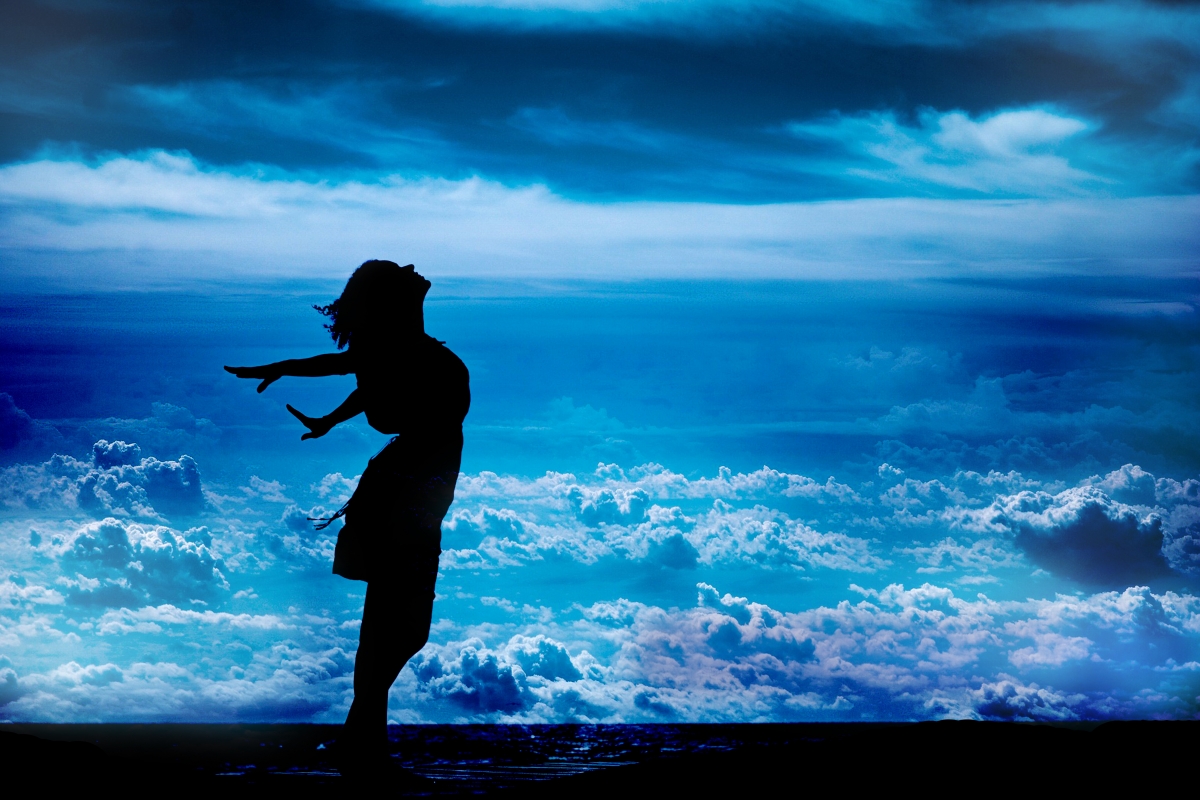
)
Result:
{"points": [[317, 426], [267, 374]]}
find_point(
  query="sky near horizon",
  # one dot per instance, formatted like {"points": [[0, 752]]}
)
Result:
{"points": [[829, 361]]}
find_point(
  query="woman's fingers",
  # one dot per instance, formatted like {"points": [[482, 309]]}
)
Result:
{"points": [[316, 428], [252, 372], [255, 372]]}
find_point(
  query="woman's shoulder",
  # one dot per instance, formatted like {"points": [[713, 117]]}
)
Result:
{"points": [[448, 358]]}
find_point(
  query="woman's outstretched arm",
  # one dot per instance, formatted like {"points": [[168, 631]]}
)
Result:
{"points": [[319, 426], [313, 367]]}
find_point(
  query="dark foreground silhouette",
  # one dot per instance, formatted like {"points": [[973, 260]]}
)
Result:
{"points": [[939, 758], [413, 386]]}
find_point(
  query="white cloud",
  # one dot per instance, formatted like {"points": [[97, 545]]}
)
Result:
{"points": [[903, 653], [915, 652], [95, 609], [614, 513], [114, 563], [1011, 152], [151, 619], [117, 482], [237, 222], [980, 555]]}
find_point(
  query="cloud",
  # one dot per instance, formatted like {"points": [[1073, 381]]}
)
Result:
{"points": [[895, 653], [282, 683], [980, 555], [1008, 700], [160, 203], [1017, 152], [168, 429], [118, 481], [907, 22], [476, 680], [173, 486], [127, 564], [107, 454], [614, 514], [10, 689], [15, 424], [19, 431], [656, 516], [113, 594], [901, 653], [153, 619], [1084, 534]]}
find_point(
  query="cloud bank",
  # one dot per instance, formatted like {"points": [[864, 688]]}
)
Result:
{"points": [[1088, 609], [161, 206]]}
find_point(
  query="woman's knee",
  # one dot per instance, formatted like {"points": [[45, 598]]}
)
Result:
{"points": [[408, 646]]}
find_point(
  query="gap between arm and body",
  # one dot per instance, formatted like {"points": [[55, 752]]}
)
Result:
{"points": [[313, 367]]}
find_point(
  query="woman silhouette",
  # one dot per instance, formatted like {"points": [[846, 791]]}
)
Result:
{"points": [[411, 385]]}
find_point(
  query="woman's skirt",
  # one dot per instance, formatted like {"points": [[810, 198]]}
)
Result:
{"points": [[393, 527]]}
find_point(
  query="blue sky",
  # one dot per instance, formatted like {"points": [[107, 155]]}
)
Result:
{"points": [[829, 362]]}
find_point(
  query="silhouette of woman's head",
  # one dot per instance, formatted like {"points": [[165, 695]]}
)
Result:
{"points": [[381, 298]]}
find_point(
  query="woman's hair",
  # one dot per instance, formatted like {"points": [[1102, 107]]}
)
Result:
{"points": [[378, 295]]}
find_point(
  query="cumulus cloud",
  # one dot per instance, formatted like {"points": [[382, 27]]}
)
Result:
{"points": [[476, 680], [9, 688], [168, 429], [895, 652], [614, 514], [1120, 529], [281, 683], [1124, 528], [904, 653], [1084, 534], [117, 481], [154, 619], [981, 555], [116, 563], [115, 454], [1009, 700], [113, 587]]}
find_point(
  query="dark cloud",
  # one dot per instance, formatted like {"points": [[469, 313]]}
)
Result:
{"points": [[1125, 528], [1011, 701], [15, 424], [1086, 536], [10, 687], [673, 552], [603, 110]]}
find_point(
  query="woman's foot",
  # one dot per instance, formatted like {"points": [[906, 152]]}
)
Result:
{"points": [[376, 766]]}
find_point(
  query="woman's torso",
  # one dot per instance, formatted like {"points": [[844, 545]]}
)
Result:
{"points": [[416, 388]]}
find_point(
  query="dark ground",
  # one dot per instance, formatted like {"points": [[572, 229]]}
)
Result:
{"points": [[672, 760]]}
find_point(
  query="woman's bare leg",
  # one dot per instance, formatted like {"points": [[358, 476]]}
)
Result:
{"points": [[395, 627]]}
